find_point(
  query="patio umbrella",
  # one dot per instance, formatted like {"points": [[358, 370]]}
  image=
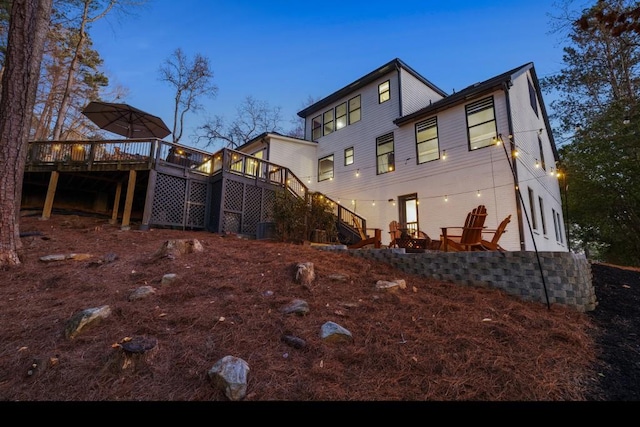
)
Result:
{"points": [[125, 120]]}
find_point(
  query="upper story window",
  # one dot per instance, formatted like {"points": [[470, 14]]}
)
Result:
{"points": [[328, 122], [427, 140], [532, 97], [341, 115], [541, 153], [316, 127], [481, 123], [384, 92], [544, 224], [385, 154], [325, 168], [532, 209], [354, 109], [348, 156]]}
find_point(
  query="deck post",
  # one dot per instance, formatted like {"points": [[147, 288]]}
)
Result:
{"points": [[51, 192], [128, 203], [116, 204], [148, 202]]}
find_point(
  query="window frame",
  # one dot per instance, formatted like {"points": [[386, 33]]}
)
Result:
{"points": [[383, 166], [384, 94], [349, 156], [481, 106], [326, 175], [343, 115], [533, 99], [328, 125], [532, 208], [430, 123], [542, 221], [316, 131], [542, 163], [353, 110]]}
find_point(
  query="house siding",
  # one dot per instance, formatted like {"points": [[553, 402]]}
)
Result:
{"points": [[526, 130], [415, 94], [459, 177]]}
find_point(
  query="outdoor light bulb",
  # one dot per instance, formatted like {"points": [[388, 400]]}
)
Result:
{"points": [[478, 193], [373, 203], [537, 164], [358, 172], [626, 121], [446, 198], [444, 154]]}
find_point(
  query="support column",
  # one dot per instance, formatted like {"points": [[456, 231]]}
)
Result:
{"points": [[148, 202], [128, 203], [51, 192], [116, 204]]}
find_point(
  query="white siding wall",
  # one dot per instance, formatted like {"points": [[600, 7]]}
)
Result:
{"points": [[526, 126], [460, 176], [415, 94], [299, 157]]}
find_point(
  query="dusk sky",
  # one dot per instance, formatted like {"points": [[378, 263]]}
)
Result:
{"points": [[283, 52]]}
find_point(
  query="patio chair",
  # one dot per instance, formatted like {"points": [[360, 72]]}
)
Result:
{"points": [[470, 237], [394, 233], [492, 245]]}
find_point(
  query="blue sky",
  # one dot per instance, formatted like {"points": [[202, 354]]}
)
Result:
{"points": [[284, 52]]}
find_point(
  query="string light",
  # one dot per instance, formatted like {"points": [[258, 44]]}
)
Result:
{"points": [[444, 154], [446, 199], [358, 172], [478, 193]]}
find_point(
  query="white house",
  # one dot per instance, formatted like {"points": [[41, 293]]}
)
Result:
{"points": [[393, 146]]}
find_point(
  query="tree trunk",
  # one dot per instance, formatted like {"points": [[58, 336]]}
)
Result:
{"points": [[28, 24]]}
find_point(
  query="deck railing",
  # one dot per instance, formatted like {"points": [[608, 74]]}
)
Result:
{"points": [[104, 155]]}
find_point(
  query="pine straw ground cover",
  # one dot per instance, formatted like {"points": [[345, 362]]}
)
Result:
{"points": [[433, 341]]}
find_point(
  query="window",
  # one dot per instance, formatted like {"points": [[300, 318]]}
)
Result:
{"points": [[316, 127], [354, 109], [384, 92], [427, 140], [341, 116], [532, 97], [544, 224], [556, 226], [384, 154], [541, 153], [559, 232], [328, 122], [325, 168], [481, 122], [532, 209], [348, 156]]}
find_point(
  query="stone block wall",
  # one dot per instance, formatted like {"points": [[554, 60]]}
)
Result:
{"points": [[547, 277]]}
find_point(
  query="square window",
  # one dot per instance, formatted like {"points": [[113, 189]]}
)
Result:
{"points": [[348, 156], [384, 92], [325, 168]]}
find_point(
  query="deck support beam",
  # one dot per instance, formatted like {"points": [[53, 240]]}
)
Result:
{"points": [[128, 203], [116, 204], [51, 192]]}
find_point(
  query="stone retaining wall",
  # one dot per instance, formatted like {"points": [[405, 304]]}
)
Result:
{"points": [[567, 276]]}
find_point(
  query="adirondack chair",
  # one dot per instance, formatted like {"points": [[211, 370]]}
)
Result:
{"points": [[394, 233], [492, 245], [470, 237]]}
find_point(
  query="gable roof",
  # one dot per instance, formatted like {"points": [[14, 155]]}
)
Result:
{"points": [[478, 89], [395, 64], [462, 96]]}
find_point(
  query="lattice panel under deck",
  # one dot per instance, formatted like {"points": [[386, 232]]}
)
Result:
{"points": [[268, 203], [252, 209], [168, 200], [233, 195], [196, 204]]}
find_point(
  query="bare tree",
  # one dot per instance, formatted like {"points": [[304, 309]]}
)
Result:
{"points": [[297, 131], [253, 118], [191, 80], [28, 24]]}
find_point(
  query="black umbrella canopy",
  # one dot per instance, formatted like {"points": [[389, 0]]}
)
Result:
{"points": [[125, 120]]}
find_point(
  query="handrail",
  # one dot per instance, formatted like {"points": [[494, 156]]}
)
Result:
{"points": [[152, 151]]}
